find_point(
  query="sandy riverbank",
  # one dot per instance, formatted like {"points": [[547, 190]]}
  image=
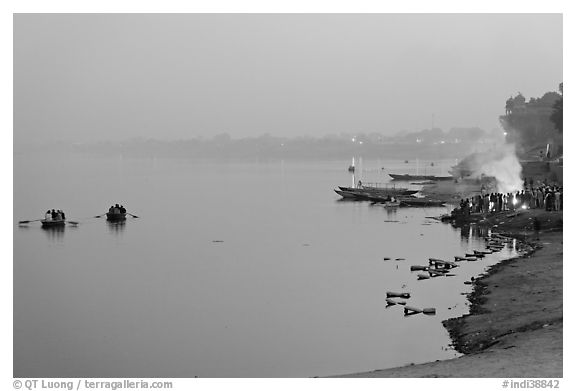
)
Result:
{"points": [[516, 323]]}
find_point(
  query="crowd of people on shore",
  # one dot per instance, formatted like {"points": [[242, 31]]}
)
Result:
{"points": [[117, 209], [544, 196], [54, 215]]}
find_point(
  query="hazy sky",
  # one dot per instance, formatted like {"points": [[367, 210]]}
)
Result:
{"points": [[168, 76]]}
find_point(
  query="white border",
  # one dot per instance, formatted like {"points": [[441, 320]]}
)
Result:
{"points": [[297, 6]]}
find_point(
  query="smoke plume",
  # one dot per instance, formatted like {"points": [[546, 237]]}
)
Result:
{"points": [[501, 163]]}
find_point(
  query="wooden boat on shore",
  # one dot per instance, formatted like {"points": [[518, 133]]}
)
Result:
{"points": [[352, 195], [395, 191], [115, 216], [383, 198], [408, 177], [420, 202], [364, 195], [53, 223]]}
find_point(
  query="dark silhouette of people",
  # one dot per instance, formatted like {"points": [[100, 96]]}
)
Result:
{"points": [[117, 209]]}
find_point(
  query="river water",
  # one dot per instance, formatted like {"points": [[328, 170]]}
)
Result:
{"points": [[233, 269]]}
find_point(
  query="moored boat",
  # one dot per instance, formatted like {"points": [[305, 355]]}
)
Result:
{"points": [[382, 198], [362, 195], [380, 190], [420, 202], [408, 177], [352, 195]]}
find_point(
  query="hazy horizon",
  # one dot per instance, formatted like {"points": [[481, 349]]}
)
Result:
{"points": [[92, 77]]}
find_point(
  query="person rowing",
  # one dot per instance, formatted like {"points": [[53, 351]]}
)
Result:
{"points": [[116, 213]]}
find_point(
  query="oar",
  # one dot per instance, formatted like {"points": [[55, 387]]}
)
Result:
{"points": [[28, 221], [73, 222], [99, 216], [132, 215]]}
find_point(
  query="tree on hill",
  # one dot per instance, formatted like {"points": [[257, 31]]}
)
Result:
{"points": [[556, 117]]}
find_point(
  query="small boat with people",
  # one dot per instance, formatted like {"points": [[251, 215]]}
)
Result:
{"points": [[53, 218], [115, 216], [52, 223], [116, 213], [57, 218]]}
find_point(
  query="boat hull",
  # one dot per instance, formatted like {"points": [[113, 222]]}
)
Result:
{"points": [[419, 202], [378, 190], [53, 223], [115, 216], [407, 177]]}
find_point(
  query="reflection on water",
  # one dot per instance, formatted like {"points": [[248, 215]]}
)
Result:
{"points": [[116, 227], [348, 200], [470, 231], [55, 233], [391, 212]]}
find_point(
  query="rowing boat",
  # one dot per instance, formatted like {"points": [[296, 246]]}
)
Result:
{"points": [[53, 223], [115, 216]]}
